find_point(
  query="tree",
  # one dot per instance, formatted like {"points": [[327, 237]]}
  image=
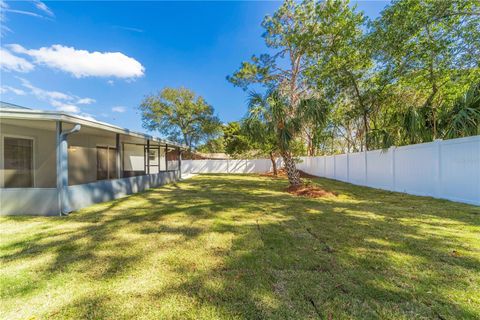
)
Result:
{"points": [[430, 48], [235, 141], [344, 70], [289, 34], [213, 145], [271, 113], [399, 75], [463, 119], [258, 129], [180, 115]]}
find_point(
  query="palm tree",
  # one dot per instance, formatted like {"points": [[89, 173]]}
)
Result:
{"points": [[262, 136], [464, 118], [274, 116]]}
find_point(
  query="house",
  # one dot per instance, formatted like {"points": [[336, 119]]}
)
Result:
{"points": [[52, 163]]}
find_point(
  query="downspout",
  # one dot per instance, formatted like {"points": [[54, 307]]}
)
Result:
{"points": [[62, 164]]}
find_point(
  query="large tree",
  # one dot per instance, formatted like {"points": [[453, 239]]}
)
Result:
{"points": [[288, 34], [270, 115], [180, 115], [236, 143], [431, 50], [344, 70]]}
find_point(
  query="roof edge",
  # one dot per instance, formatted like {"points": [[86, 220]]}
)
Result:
{"points": [[31, 114]]}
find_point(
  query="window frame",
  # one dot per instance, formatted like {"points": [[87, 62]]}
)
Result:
{"points": [[34, 158]]}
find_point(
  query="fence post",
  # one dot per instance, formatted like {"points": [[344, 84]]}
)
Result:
{"points": [[437, 179], [324, 166], [366, 168], [392, 149], [348, 167], [334, 168]]}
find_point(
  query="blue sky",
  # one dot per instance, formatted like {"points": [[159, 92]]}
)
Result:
{"points": [[99, 59]]}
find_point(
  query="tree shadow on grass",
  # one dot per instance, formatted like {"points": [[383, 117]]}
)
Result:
{"points": [[239, 247]]}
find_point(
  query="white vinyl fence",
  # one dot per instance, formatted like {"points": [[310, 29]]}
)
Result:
{"points": [[448, 169], [228, 166]]}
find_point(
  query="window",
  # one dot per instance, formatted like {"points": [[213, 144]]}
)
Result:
{"points": [[106, 163], [18, 162]]}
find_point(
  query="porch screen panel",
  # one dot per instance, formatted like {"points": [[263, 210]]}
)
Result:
{"points": [[106, 163], [161, 160], [112, 163], [153, 160], [102, 163], [133, 160], [18, 163]]}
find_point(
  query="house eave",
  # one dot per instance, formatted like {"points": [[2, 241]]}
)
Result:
{"points": [[29, 114]]}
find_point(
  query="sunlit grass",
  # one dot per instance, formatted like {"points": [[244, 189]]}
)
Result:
{"points": [[226, 247]]}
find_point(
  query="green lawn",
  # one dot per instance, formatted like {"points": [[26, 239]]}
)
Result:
{"points": [[238, 247]]}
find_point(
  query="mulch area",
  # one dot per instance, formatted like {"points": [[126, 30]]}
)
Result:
{"points": [[308, 190]]}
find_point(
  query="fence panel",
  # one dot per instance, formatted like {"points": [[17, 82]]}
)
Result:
{"points": [[341, 167], [356, 168], [416, 169], [330, 167], [320, 166], [460, 169], [379, 166]]}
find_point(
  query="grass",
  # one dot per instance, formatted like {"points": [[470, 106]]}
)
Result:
{"points": [[238, 247]]}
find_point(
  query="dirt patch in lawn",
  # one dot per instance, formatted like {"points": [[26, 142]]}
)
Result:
{"points": [[282, 173], [310, 191]]}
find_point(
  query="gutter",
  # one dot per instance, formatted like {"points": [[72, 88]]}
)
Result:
{"points": [[29, 114]]}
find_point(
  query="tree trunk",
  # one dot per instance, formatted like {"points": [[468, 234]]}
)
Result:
{"points": [[292, 172], [274, 164]]}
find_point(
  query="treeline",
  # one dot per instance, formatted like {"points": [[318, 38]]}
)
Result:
{"points": [[348, 83]]}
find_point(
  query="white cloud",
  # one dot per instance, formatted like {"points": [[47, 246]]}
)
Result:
{"points": [[119, 109], [5, 89], [82, 63], [129, 29], [4, 8], [26, 13], [110, 82], [43, 7], [87, 116], [86, 101], [10, 62], [45, 94], [3, 18], [61, 101], [66, 107]]}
